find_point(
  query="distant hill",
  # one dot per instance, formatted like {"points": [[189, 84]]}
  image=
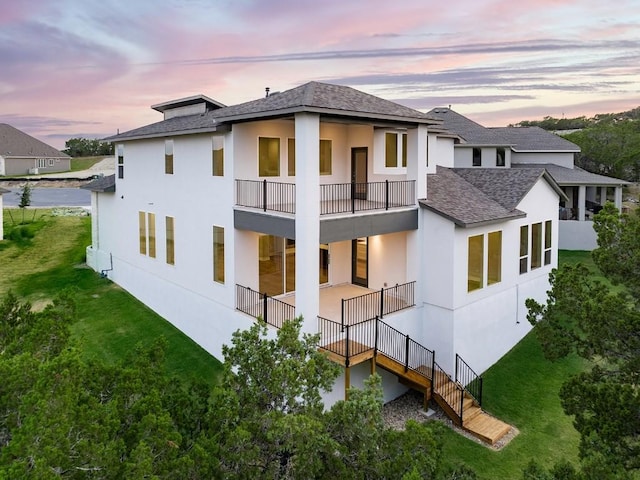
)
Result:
{"points": [[577, 123]]}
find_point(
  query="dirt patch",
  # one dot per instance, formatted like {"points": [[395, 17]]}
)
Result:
{"points": [[44, 183]]}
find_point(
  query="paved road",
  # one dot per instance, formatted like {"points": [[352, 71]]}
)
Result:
{"points": [[50, 197]]}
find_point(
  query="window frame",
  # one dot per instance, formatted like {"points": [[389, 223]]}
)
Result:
{"points": [[266, 170], [476, 157]]}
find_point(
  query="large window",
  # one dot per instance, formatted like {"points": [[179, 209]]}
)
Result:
{"points": [[147, 233], [494, 260], [291, 157], [537, 248], [268, 157], [536, 245], [476, 160], [218, 254], [120, 154], [395, 145], [476, 265], [170, 243], [500, 155], [524, 248], [481, 254], [547, 242], [151, 233], [325, 157], [142, 229], [217, 156], [168, 157]]}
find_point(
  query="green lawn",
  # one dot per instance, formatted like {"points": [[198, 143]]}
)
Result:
{"points": [[110, 321], [83, 163]]}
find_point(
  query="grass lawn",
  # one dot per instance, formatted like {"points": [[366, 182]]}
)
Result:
{"points": [[110, 321], [83, 163]]}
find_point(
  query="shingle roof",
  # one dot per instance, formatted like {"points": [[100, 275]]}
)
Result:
{"points": [[572, 176], [102, 184], [16, 143], [473, 133], [316, 97], [4, 190], [456, 198], [536, 139]]}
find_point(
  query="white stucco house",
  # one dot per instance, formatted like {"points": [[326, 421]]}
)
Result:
{"points": [[533, 147], [339, 206]]}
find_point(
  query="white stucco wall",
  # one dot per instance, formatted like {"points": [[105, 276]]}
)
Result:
{"points": [[464, 157], [441, 152], [557, 158]]}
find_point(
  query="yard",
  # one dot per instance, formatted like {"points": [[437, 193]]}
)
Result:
{"points": [[521, 389]]}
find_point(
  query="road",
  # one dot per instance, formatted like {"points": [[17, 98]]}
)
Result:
{"points": [[50, 197]]}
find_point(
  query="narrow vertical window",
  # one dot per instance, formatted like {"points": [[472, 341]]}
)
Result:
{"points": [[325, 157], [120, 153], [170, 241], [524, 248], [291, 157], [217, 156], [536, 245], [404, 149], [391, 150], [547, 242], [142, 229], [475, 263], [477, 157], [151, 231], [168, 157], [426, 152], [268, 157], [500, 155], [218, 254], [494, 261]]}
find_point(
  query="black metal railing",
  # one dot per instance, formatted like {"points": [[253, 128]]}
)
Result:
{"points": [[347, 340], [401, 348], [468, 379], [379, 303], [355, 197], [261, 306], [273, 196], [448, 390]]}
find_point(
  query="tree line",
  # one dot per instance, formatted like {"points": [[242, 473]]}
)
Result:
{"points": [[86, 147]]}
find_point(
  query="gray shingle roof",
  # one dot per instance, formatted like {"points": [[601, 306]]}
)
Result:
{"points": [[473, 133], [102, 185], [536, 139], [456, 198], [16, 143], [316, 97], [572, 176], [4, 190]]}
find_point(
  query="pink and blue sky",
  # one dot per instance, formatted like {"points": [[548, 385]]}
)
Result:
{"points": [[85, 68]]}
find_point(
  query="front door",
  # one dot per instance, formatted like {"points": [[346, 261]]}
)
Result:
{"points": [[359, 172], [360, 262]]}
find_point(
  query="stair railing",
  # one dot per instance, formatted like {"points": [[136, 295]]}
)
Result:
{"points": [[468, 379]]}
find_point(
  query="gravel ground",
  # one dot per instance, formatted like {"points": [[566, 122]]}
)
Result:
{"points": [[410, 407]]}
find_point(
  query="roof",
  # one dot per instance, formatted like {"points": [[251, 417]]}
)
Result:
{"points": [[185, 102], [4, 190], [535, 139], [473, 133], [316, 97], [573, 176], [474, 197], [103, 184], [16, 143]]}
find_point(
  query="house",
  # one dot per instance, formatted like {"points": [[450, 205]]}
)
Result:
{"points": [[343, 208], [2, 191], [21, 154], [533, 147]]}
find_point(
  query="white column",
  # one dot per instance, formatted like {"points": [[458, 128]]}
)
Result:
{"points": [[618, 198], [581, 202], [307, 131], [603, 195]]}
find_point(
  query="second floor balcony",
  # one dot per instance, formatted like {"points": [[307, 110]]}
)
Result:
{"points": [[335, 198]]}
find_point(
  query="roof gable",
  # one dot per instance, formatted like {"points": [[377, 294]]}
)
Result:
{"points": [[16, 143], [528, 139], [473, 133]]}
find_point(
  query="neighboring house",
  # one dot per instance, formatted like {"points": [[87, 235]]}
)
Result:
{"points": [[2, 191], [22, 154], [533, 147], [339, 206]]}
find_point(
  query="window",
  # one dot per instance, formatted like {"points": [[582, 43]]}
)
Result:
{"points": [[536, 245], [168, 157], [393, 150], [41, 163], [524, 248], [475, 263], [268, 157], [477, 157], [170, 241], [500, 155], [325, 157], [147, 233], [51, 163], [494, 261], [142, 227], [120, 153], [151, 233], [547, 242], [217, 156], [291, 157], [218, 254], [404, 150]]}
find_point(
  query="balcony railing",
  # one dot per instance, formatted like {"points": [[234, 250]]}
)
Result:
{"points": [[259, 305], [378, 304], [334, 198]]}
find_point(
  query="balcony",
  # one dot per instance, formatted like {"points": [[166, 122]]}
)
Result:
{"points": [[336, 198]]}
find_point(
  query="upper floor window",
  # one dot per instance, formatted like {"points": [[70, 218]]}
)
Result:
{"points": [[524, 248], [147, 235], [168, 157], [476, 161], [500, 156], [475, 267], [494, 257], [395, 149], [217, 156], [291, 157], [268, 157], [218, 254], [120, 154], [325, 157], [170, 243], [481, 253], [547, 242], [536, 245]]}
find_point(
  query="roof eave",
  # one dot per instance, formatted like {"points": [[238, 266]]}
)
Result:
{"points": [[463, 224], [124, 138]]}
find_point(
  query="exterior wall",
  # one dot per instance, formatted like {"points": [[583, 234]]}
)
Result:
{"points": [[2, 166], [24, 166], [557, 158], [577, 235], [441, 152], [463, 157]]}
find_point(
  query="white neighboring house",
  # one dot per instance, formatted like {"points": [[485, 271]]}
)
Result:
{"points": [[533, 147], [2, 191], [339, 206], [21, 154]]}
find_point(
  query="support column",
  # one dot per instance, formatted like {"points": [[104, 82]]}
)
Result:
{"points": [[347, 382], [603, 195], [307, 131], [581, 202], [618, 198]]}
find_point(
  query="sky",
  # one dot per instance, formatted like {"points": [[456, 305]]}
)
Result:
{"points": [[90, 68]]}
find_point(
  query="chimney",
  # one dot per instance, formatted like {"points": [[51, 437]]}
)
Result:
{"points": [[266, 90]]}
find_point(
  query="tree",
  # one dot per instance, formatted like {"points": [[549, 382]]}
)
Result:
{"points": [[84, 147], [25, 198], [583, 315]]}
